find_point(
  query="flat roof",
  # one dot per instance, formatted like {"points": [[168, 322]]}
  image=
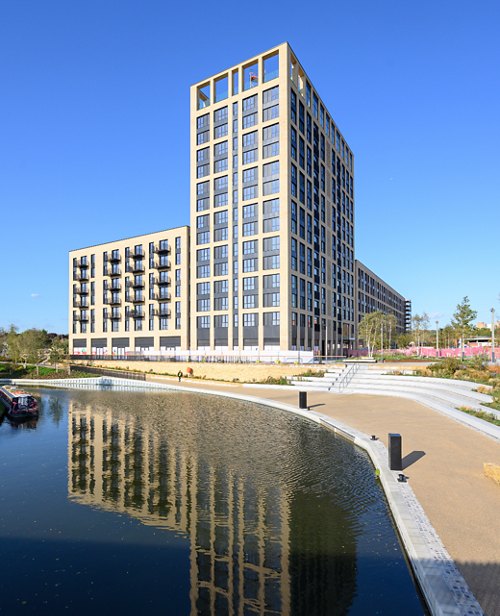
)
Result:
{"points": [[122, 239]]}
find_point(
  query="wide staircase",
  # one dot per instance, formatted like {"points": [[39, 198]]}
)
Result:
{"points": [[359, 378]]}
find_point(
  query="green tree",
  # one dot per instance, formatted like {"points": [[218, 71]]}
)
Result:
{"points": [[403, 340], [58, 351], [369, 330], [32, 345], [420, 325], [462, 321]]}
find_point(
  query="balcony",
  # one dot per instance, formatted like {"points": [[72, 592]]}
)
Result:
{"points": [[162, 297], [136, 315], [115, 317], [114, 258], [82, 291], [138, 300], [139, 284], [162, 313], [80, 303], [81, 317], [83, 276], [162, 264], [113, 301], [162, 249], [138, 253], [162, 283], [137, 267], [113, 272], [115, 286]]}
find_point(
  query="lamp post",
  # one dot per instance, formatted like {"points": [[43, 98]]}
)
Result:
{"points": [[493, 336], [437, 338]]}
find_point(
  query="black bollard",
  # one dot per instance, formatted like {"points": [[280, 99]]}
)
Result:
{"points": [[395, 452], [302, 399]]}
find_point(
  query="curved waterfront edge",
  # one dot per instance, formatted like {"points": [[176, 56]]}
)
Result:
{"points": [[443, 586]]}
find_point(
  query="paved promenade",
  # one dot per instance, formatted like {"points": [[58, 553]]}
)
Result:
{"points": [[444, 460]]}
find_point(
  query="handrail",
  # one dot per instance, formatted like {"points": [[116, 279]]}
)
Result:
{"points": [[347, 376]]}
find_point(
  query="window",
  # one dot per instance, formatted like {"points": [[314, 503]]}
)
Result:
{"points": [[221, 286], [271, 300], [249, 157], [249, 247], [250, 139], [250, 301], [250, 319], [220, 149], [271, 132], [271, 318], [271, 169], [203, 254], [221, 217], [221, 252], [202, 221], [250, 211], [293, 105], [219, 166], [220, 269], [250, 103], [250, 283], [202, 155], [249, 228], [250, 175], [271, 149], [221, 320], [250, 192], [249, 265], [221, 234], [270, 113], [315, 106], [272, 262], [203, 288], [249, 120], [221, 303], [220, 131], [221, 199], [270, 95], [203, 238], [271, 67], [202, 204], [271, 207], [221, 183], [202, 188], [203, 305], [203, 322], [272, 243], [272, 281], [270, 188], [293, 180], [271, 224], [203, 137], [202, 121]]}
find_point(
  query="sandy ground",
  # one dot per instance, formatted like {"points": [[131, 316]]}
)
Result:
{"points": [[444, 460]]}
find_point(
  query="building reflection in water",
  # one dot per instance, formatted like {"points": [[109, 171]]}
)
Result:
{"points": [[250, 545]]}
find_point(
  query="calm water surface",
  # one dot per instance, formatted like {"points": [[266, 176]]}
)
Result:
{"points": [[185, 504]]}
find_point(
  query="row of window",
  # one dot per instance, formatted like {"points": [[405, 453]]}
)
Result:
{"points": [[249, 319], [249, 283], [247, 265]]}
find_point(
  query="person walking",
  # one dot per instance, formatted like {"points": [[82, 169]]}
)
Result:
{"points": [[180, 375]]}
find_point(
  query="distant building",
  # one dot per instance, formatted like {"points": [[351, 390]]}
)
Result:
{"points": [[374, 294]]}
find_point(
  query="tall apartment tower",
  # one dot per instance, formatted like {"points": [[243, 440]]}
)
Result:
{"points": [[272, 213]]}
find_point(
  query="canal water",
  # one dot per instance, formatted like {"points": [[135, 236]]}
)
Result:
{"points": [[185, 504]]}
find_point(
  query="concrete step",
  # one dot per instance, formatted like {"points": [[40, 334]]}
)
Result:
{"points": [[395, 382], [452, 398]]}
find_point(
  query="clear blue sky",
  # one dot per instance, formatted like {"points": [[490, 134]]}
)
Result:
{"points": [[94, 132]]}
